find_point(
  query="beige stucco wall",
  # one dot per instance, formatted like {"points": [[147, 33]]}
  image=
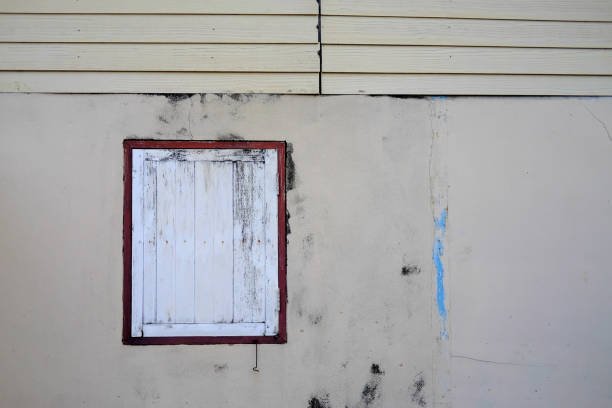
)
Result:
{"points": [[528, 187]]}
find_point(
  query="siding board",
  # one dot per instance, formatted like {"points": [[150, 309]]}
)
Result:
{"points": [[570, 10], [443, 84], [160, 57], [156, 82], [465, 60], [158, 28], [161, 6], [465, 32]]}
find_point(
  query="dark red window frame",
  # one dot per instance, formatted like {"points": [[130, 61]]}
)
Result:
{"points": [[128, 146]]}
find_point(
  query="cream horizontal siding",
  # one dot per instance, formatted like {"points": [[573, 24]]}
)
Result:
{"points": [[467, 47], [161, 6], [160, 57], [156, 82], [569, 10], [158, 28], [263, 46], [465, 60], [465, 32], [445, 84]]}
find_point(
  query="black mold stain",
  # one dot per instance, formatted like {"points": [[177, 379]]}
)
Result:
{"points": [[318, 401], [290, 169], [410, 270], [287, 225], [220, 367], [375, 369], [176, 97], [371, 391], [182, 131], [417, 395], [162, 119], [229, 136]]}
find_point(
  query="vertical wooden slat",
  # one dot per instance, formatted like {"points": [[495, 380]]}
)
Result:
{"points": [[213, 248], [150, 241], [166, 249], [137, 240], [185, 236], [271, 234], [249, 254]]}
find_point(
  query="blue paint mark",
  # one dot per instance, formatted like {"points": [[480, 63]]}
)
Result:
{"points": [[439, 97], [438, 252]]}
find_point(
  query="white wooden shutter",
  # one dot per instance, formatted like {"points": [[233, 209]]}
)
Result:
{"points": [[204, 242]]}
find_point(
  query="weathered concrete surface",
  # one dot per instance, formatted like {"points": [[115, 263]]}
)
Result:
{"points": [[529, 222]]}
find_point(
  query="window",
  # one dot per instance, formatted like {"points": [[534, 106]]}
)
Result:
{"points": [[204, 242]]}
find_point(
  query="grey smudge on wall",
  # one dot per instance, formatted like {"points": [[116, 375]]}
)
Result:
{"points": [[417, 394], [307, 246], [410, 270], [220, 367], [229, 136], [315, 319], [319, 401], [296, 302]]}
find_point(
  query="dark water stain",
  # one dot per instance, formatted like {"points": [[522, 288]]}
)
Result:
{"points": [[319, 401], [371, 390], [410, 270], [289, 169], [417, 394], [229, 136], [220, 367]]}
